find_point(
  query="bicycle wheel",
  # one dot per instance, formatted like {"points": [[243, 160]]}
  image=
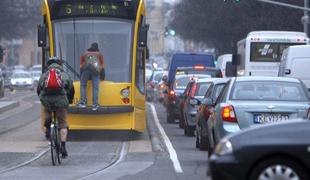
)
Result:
{"points": [[58, 144], [53, 144]]}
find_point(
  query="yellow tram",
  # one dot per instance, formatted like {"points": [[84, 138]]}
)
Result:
{"points": [[119, 28]]}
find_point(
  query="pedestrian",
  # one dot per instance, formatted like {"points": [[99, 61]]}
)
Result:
{"points": [[91, 68]]}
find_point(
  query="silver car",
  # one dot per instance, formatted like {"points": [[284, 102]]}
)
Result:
{"points": [[251, 101]]}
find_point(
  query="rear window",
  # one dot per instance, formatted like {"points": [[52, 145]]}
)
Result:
{"points": [[158, 77], [202, 89], [268, 91], [181, 83], [211, 73]]}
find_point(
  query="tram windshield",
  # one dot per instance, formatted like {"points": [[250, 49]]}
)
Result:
{"points": [[73, 37]]}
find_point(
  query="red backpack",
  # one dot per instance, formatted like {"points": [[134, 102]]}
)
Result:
{"points": [[53, 81]]}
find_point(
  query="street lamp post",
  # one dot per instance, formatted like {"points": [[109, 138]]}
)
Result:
{"points": [[305, 18]]}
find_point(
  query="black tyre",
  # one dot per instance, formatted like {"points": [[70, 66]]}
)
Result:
{"points": [[210, 149], [197, 142], [181, 121], [170, 118], [203, 141], [53, 146], [289, 170]]}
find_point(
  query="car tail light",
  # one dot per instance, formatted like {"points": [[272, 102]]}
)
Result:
{"points": [[193, 90], [172, 94], [228, 114], [199, 67]]}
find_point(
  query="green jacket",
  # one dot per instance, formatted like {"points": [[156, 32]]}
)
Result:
{"points": [[55, 101]]}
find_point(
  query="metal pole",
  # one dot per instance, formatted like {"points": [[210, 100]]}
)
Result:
{"points": [[306, 22], [285, 4]]}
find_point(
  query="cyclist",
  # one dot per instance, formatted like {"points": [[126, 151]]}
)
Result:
{"points": [[55, 89]]}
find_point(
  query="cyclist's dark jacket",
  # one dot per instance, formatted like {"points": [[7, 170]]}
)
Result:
{"points": [[59, 100]]}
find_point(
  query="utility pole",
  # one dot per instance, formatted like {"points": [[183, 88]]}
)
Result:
{"points": [[305, 18]]}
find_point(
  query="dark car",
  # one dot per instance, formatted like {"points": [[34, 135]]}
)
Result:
{"points": [[172, 100], [208, 72], [276, 151], [188, 60], [216, 87], [190, 105]]}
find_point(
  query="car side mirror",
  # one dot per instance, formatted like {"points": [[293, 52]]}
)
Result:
{"points": [[287, 71], [231, 70], [235, 59], [165, 78], [194, 102], [42, 34], [143, 35]]}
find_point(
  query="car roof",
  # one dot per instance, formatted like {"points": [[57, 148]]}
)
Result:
{"points": [[214, 80], [266, 78], [190, 75]]}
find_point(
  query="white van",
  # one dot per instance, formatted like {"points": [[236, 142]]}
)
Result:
{"points": [[221, 62], [295, 62]]}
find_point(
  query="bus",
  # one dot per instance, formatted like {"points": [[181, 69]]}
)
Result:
{"points": [[259, 54], [119, 27]]}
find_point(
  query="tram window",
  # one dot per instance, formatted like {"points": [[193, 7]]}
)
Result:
{"points": [[74, 36]]}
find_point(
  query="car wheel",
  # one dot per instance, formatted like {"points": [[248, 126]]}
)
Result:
{"points": [[203, 141], [181, 121], [170, 118], [210, 149], [278, 168], [197, 142]]}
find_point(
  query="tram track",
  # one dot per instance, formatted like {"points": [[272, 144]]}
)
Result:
{"points": [[119, 156]]}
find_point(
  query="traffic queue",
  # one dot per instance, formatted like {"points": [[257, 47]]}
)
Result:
{"points": [[252, 127]]}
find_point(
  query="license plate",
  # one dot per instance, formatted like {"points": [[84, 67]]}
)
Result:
{"points": [[269, 118]]}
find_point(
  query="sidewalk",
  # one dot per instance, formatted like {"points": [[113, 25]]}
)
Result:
{"points": [[7, 105]]}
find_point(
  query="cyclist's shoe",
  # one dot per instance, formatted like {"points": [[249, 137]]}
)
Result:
{"points": [[82, 105], [64, 153], [95, 107]]}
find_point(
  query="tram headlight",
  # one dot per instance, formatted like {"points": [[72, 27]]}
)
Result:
{"points": [[125, 93]]}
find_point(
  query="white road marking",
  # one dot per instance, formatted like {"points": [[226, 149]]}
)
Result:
{"points": [[171, 150]]}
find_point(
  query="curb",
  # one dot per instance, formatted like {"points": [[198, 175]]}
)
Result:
{"points": [[9, 106], [156, 142]]}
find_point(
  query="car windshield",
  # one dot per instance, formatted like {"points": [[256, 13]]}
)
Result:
{"points": [[202, 89], [269, 91], [157, 77], [74, 37], [181, 82]]}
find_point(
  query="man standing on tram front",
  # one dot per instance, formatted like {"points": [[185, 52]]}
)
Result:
{"points": [[92, 68]]}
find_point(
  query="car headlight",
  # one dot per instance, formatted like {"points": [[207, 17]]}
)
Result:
{"points": [[224, 147]]}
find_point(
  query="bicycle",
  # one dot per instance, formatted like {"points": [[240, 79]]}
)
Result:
{"points": [[55, 140]]}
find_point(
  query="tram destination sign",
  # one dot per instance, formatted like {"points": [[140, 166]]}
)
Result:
{"points": [[69, 9]]}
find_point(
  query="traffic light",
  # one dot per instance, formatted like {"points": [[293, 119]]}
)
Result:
{"points": [[169, 31]]}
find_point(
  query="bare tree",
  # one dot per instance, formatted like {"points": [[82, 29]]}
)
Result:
{"points": [[18, 17], [221, 24]]}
